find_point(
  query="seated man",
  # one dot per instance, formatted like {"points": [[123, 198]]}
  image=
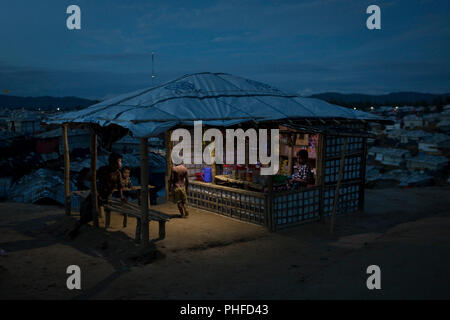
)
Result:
{"points": [[303, 174], [109, 179]]}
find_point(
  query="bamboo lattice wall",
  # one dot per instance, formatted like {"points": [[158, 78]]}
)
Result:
{"points": [[236, 203], [294, 207], [351, 191]]}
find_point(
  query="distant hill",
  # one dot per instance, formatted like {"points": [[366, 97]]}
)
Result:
{"points": [[395, 98], [348, 100], [45, 103]]}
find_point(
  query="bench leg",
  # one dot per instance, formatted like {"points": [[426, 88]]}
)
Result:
{"points": [[107, 218], [162, 229], [124, 220], [138, 229]]}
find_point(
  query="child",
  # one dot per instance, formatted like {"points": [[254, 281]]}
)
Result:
{"points": [[179, 184], [126, 180], [126, 183]]}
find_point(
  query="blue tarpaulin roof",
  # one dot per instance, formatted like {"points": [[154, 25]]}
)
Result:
{"points": [[218, 99]]}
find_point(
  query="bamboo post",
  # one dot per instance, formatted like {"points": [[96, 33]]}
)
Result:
{"points": [[363, 176], [94, 177], [66, 169], [213, 165], [270, 194], [336, 192], [291, 140], [270, 203], [168, 144], [320, 164], [144, 192]]}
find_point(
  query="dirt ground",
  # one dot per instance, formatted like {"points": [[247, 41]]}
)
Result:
{"points": [[406, 232]]}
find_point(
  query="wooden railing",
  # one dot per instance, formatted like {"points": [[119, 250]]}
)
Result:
{"points": [[241, 204], [288, 207]]}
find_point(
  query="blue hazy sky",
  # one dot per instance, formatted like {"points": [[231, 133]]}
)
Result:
{"points": [[305, 47]]}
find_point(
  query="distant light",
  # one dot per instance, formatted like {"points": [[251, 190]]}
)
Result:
{"points": [[57, 109], [354, 108], [371, 108], [396, 107]]}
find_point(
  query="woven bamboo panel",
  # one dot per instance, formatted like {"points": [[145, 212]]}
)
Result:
{"points": [[351, 191], [352, 169], [232, 203], [354, 159], [334, 146], [349, 198], [297, 206]]}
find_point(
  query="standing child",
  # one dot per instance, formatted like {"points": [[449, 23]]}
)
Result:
{"points": [[179, 183]]}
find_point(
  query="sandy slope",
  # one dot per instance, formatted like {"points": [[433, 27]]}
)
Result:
{"points": [[405, 232]]}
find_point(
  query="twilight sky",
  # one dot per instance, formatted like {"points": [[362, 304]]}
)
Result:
{"points": [[298, 46]]}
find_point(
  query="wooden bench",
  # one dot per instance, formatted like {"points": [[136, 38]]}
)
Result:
{"points": [[131, 209]]}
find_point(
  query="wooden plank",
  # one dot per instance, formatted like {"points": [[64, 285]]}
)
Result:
{"points": [[107, 211], [162, 229], [137, 209], [336, 192], [66, 169], [94, 177], [101, 211], [144, 191], [122, 210], [226, 179], [137, 236], [131, 212], [125, 220], [215, 186], [234, 203], [159, 215]]}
